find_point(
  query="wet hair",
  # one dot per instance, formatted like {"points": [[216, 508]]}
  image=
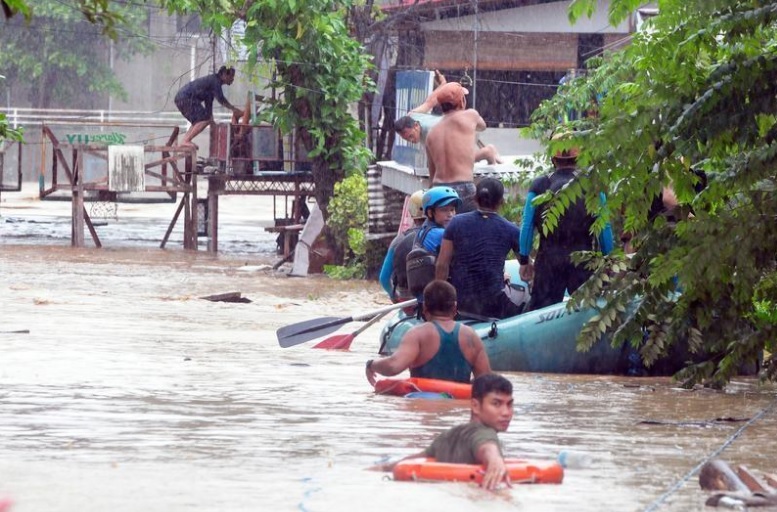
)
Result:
{"points": [[490, 383], [404, 123], [440, 297], [224, 70], [489, 193], [447, 107]]}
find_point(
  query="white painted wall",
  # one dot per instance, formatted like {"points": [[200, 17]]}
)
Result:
{"points": [[550, 17]]}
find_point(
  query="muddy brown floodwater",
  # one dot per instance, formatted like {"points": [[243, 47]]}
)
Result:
{"points": [[130, 393]]}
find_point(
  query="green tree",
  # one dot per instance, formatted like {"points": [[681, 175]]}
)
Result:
{"points": [[6, 132], [96, 11], [320, 69], [696, 90], [59, 54]]}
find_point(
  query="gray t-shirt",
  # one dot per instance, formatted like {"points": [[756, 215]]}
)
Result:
{"points": [[426, 121], [460, 444]]}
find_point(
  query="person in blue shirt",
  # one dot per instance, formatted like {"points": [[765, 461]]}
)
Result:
{"points": [[393, 273], [473, 251], [440, 205], [553, 270]]}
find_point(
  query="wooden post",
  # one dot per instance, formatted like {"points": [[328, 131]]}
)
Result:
{"points": [[77, 238], [172, 223], [214, 186], [187, 211], [191, 168]]}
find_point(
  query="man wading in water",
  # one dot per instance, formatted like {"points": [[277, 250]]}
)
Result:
{"points": [[440, 348], [195, 101], [476, 442]]}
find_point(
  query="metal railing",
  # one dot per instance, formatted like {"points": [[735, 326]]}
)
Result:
{"points": [[35, 116]]}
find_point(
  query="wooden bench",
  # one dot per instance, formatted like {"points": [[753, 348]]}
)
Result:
{"points": [[288, 233]]}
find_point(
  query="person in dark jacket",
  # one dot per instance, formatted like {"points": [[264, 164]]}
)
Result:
{"points": [[195, 101], [553, 271], [473, 252]]}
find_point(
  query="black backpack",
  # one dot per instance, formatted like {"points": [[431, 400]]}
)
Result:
{"points": [[399, 267], [420, 264]]}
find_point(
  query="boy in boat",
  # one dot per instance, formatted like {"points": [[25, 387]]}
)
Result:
{"points": [[440, 205], [440, 348], [477, 442]]}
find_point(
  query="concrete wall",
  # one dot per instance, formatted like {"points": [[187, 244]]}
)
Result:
{"points": [[543, 18], [152, 81]]}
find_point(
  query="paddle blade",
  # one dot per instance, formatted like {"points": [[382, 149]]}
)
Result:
{"points": [[336, 342], [301, 332]]}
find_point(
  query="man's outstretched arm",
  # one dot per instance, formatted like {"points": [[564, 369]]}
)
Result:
{"points": [[397, 362], [431, 101], [488, 455]]}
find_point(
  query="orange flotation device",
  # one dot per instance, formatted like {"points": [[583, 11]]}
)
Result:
{"points": [[523, 471], [401, 387]]}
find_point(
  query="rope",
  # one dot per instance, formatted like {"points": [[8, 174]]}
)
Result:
{"points": [[658, 502]]}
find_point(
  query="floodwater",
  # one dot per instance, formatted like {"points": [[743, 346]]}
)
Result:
{"points": [[130, 393]]}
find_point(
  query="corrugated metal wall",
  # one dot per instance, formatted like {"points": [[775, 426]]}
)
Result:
{"points": [[385, 205]]}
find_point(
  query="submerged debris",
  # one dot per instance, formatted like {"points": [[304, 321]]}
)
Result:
{"points": [[706, 423], [741, 488]]}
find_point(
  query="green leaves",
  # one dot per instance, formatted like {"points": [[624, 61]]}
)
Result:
{"points": [[698, 92], [619, 10], [8, 133], [60, 52], [348, 216]]}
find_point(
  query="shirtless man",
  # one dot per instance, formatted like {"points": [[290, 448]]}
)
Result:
{"points": [[450, 146], [415, 126]]}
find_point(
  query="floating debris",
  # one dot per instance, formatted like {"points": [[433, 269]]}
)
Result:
{"points": [[741, 488], [227, 297]]}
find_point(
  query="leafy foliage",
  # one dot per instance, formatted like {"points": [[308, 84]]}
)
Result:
{"points": [[98, 12], [59, 53], [348, 221], [515, 189], [695, 91], [6, 132]]}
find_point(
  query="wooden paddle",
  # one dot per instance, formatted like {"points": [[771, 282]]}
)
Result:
{"points": [[343, 341], [301, 332]]}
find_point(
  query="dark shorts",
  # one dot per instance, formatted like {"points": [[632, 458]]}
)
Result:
{"points": [[466, 191], [193, 111], [496, 306], [555, 273]]}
